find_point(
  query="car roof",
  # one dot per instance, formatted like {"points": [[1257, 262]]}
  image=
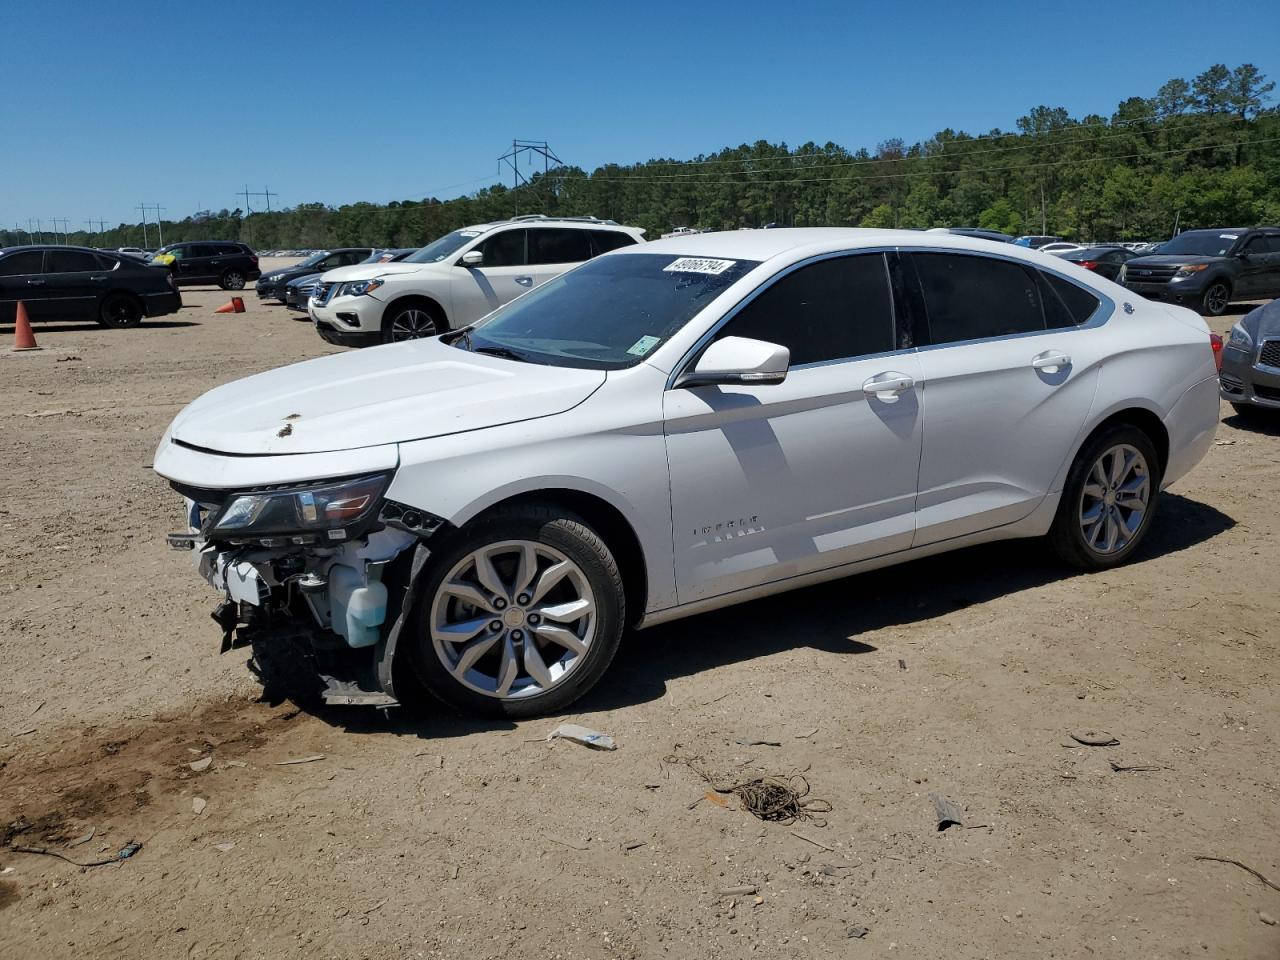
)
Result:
{"points": [[52, 246], [795, 242], [537, 219]]}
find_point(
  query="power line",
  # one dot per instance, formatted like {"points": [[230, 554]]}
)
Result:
{"points": [[916, 173]]}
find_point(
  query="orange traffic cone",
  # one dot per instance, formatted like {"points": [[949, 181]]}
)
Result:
{"points": [[235, 306], [23, 338]]}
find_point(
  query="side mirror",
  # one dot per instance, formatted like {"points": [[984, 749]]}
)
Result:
{"points": [[472, 258], [738, 361]]}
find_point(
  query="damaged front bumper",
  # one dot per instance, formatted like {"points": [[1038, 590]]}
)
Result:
{"points": [[318, 616]]}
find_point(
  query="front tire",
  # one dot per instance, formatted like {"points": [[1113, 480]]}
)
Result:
{"points": [[1109, 499], [413, 321], [1216, 299], [231, 280], [521, 614], [120, 310]]}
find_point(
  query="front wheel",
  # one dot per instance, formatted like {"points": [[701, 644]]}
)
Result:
{"points": [[1109, 499], [231, 280], [1216, 299], [410, 322], [521, 613]]}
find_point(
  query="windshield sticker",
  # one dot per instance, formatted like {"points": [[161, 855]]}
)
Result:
{"points": [[699, 265], [643, 345], [469, 233], [1228, 236]]}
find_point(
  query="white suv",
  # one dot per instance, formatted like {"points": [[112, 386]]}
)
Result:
{"points": [[672, 428], [458, 278]]}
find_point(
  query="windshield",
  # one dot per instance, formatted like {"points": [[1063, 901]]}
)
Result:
{"points": [[437, 250], [609, 313], [312, 260], [1200, 243]]}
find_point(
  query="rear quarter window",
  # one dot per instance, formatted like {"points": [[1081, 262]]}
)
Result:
{"points": [[606, 240], [1067, 304]]}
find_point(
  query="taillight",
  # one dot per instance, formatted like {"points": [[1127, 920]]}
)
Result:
{"points": [[1088, 264], [1215, 342]]}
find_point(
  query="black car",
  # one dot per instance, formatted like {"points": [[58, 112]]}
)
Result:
{"points": [[1104, 261], [76, 283], [272, 285], [1208, 269], [227, 263], [299, 290], [1250, 374]]}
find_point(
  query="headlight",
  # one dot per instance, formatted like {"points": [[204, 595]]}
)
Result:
{"points": [[1189, 269], [326, 511], [1240, 338], [275, 276], [358, 288]]}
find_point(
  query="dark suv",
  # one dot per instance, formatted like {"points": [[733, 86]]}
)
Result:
{"points": [[228, 264], [1208, 269]]}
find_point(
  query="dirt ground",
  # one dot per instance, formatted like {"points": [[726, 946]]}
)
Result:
{"points": [[440, 837]]}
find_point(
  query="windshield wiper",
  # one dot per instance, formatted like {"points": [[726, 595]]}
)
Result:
{"points": [[498, 352]]}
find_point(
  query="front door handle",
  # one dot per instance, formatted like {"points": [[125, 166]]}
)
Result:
{"points": [[1051, 361], [525, 281], [98, 279], [35, 283], [887, 386]]}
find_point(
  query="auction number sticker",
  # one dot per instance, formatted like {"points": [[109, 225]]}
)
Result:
{"points": [[699, 265], [642, 346], [1228, 236]]}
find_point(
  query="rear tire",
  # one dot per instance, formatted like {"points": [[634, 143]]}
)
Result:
{"points": [[119, 310], [231, 280], [1107, 503], [521, 613], [1216, 299]]}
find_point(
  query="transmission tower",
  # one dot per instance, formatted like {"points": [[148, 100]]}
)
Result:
{"points": [[533, 148]]}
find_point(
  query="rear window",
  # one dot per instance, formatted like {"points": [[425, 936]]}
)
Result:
{"points": [[1066, 304], [559, 245], [71, 261], [607, 240], [973, 297]]}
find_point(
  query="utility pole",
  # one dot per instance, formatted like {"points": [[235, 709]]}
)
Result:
{"points": [[264, 192], [65, 223], [159, 225], [247, 211], [89, 230], [512, 159], [39, 229], [143, 208]]}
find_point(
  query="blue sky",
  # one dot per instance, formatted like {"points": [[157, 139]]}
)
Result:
{"points": [[108, 105]]}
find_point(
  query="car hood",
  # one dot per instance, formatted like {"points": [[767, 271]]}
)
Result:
{"points": [[1170, 260], [1263, 322], [365, 271], [387, 394], [305, 278]]}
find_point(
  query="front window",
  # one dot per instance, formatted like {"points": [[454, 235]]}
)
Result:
{"points": [[609, 313], [1200, 243], [441, 249], [314, 259]]}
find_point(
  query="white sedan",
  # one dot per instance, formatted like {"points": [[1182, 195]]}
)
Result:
{"points": [[672, 428]]}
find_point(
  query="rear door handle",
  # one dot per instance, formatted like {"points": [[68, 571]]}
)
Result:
{"points": [[35, 283], [98, 279], [1051, 361], [525, 281], [887, 386]]}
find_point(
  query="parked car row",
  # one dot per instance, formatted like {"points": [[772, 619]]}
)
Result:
{"points": [[302, 288]]}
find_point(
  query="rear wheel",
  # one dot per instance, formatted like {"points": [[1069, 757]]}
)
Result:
{"points": [[522, 613], [231, 280], [1109, 499], [120, 310], [413, 321], [1216, 299]]}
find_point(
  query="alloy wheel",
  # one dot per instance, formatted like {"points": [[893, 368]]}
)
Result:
{"points": [[412, 324], [1113, 504], [513, 619], [1217, 299], [233, 280]]}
